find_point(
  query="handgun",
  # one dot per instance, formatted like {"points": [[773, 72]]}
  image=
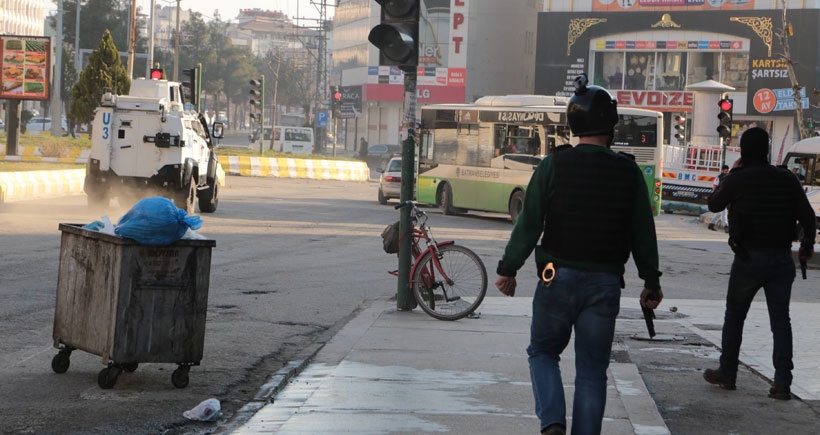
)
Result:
{"points": [[649, 314]]}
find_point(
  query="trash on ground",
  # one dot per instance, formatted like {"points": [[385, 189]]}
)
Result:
{"points": [[207, 410]]}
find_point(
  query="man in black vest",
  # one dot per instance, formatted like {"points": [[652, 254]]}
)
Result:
{"points": [[764, 203], [592, 207]]}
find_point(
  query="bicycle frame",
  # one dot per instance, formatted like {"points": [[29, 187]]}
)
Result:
{"points": [[448, 281], [422, 232]]}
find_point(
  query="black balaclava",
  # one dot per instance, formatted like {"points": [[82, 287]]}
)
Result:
{"points": [[754, 146]]}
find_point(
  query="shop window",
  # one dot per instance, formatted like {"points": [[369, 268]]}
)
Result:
{"points": [[640, 70], [735, 70], [702, 66], [671, 70], [609, 70]]}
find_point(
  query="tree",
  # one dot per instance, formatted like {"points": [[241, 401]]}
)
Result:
{"points": [[295, 85], [95, 17], [104, 70]]}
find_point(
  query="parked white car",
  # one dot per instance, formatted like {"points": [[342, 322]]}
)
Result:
{"points": [[43, 124]]}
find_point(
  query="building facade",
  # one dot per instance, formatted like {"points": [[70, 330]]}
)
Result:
{"points": [[651, 53], [467, 49], [22, 17]]}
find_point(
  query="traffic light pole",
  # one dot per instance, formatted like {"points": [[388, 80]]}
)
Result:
{"points": [[404, 301]]}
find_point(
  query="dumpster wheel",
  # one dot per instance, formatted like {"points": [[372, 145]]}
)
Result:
{"points": [[61, 361], [129, 367], [108, 376], [180, 376]]}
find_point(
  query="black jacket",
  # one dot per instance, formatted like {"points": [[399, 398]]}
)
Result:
{"points": [[765, 204]]}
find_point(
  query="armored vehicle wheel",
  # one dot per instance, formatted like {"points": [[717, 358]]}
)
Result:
{"points": [[186, 197], [209, 198], [180, 376], [61, 361], [108, 377]]}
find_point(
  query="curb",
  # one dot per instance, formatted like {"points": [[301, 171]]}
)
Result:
{"points": [[17, 186], [295, 168]]}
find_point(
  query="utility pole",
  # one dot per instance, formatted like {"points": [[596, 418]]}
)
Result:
{"points": [[132, 39], [320, 97], [151, 38], [56, 79], [176, 46], [77, 58], [273, 111]]}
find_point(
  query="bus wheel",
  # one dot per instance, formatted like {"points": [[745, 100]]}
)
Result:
{"points": [[446, 201], [516, 205]]}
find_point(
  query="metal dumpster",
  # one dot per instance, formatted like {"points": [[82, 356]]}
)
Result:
{"points": [[130, 303]]}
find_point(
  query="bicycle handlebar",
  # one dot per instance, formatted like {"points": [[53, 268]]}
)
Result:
{"points": [[403, 204]]}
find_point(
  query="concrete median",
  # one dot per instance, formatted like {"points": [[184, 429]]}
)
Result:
{"points": [[16, 186]]}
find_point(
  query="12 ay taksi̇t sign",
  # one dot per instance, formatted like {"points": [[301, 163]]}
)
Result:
{"points": [[767, 100], [25, 65]]}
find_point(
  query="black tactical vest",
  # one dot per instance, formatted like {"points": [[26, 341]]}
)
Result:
{"points": [[590, 206], [763, 214]]}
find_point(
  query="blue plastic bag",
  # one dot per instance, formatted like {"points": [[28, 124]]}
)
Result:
{"points": [[156, 221]]}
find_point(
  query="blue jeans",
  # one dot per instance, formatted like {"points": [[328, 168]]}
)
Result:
{"points": [[774, 271], [589, 302]]}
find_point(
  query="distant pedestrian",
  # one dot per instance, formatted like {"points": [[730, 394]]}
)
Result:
{"points": [[581, 259], [363, 148], [764, 203], [721, 216]]}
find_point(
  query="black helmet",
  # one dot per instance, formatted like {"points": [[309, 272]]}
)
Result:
{"points": [[591, 110]]}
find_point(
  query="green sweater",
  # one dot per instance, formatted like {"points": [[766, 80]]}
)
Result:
{"points": [[527, 230]]}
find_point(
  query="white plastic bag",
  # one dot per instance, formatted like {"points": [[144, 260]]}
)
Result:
{"points": [[207, 410]]}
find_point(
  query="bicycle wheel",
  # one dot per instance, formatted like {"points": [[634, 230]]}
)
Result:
{"points": [[458, 297]]}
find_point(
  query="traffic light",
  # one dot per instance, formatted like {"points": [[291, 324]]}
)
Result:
{"points": [[724, 129], [337, 102], [156, 73], [190, 81], [257, 100], [680, 128], [397, 37]]}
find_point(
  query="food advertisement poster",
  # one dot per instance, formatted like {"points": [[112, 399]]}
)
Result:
{"points": [[25, 67]]}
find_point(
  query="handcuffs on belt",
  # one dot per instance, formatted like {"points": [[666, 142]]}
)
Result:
{"points": [[548, 274]]}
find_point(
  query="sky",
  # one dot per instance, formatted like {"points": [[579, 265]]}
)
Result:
{"points": [[230, 9]]}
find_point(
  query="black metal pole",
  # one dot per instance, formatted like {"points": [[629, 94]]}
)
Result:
{"points": [[404, 301]]}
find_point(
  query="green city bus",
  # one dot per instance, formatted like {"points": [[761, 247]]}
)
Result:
{"points": [[481, 156]]}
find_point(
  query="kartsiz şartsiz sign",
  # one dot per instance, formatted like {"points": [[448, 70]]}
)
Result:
{"points": [[25, 63]]}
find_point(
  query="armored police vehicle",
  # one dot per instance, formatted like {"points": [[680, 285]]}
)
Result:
{"points": [[146, 143]]}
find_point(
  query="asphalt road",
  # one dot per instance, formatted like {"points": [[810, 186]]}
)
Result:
{"points": [[294, 260]]}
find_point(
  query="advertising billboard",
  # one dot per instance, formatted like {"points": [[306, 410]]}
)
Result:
{"points": [[26, 62], [647, 59]]}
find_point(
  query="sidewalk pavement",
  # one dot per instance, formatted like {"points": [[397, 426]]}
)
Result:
{"points": [[405, 372]]}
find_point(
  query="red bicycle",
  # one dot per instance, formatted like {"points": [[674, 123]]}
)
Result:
{"points": [[448, 281]]}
